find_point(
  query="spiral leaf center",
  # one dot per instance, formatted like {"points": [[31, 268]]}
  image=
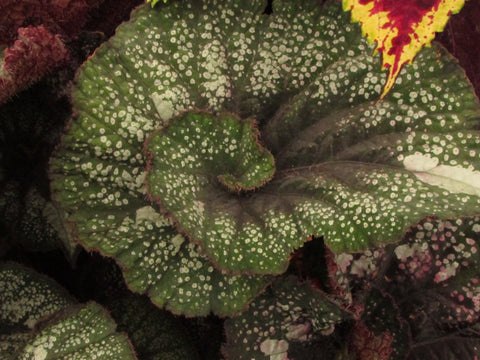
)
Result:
{"points": [[198, 153]]}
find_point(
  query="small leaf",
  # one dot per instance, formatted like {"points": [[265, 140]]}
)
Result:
{"points": [[284, 314], [401, 28], [367, 346], [153, 2]]}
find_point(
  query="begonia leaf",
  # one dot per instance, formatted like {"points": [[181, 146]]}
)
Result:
{"points": [[82, 332], [40, 320], [286, 313], [356, 171], [26, 296], [157, 260], [401, 28], [429, 302]]}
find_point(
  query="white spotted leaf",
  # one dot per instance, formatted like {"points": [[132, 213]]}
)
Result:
{"points": [[82, 332], [40, 320], [26, 296], [357, 171]]}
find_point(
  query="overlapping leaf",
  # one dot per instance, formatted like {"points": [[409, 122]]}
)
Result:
{"points": [[401, 28], [62, 329], [439, 267], [27, 296], [355, 171], [83, 332], [160, 262], [285, 314]]}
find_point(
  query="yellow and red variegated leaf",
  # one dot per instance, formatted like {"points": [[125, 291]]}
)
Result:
{"points": [[401, 27]]}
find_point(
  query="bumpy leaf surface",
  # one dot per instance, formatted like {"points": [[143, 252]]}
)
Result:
{"points": [[356, 171], [82, 333], [284, 314], [62, 329], [401, 28], [26, 296]]}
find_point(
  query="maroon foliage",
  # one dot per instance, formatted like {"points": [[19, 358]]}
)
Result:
{"points": [[367, 346], [64, 17], [34, 54], [461, 37]]}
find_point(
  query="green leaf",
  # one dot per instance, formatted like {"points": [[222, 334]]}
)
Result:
{"points": [[219, 151], [80, 332], [356, 171], [40, 320], [155, 1], [26, 296], [286, 313], [158, 261]]}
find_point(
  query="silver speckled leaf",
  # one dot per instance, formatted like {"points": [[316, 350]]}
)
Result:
{"points": [[39, 320], [26, 296], [350, 168], [82, 332]]}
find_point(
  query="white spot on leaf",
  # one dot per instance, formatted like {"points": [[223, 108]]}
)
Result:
{"points": [[40, 353], [419, 162], [148, 213], [452, 178], [164, 107], [298, 331], [343, 261], [276, 349]]}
